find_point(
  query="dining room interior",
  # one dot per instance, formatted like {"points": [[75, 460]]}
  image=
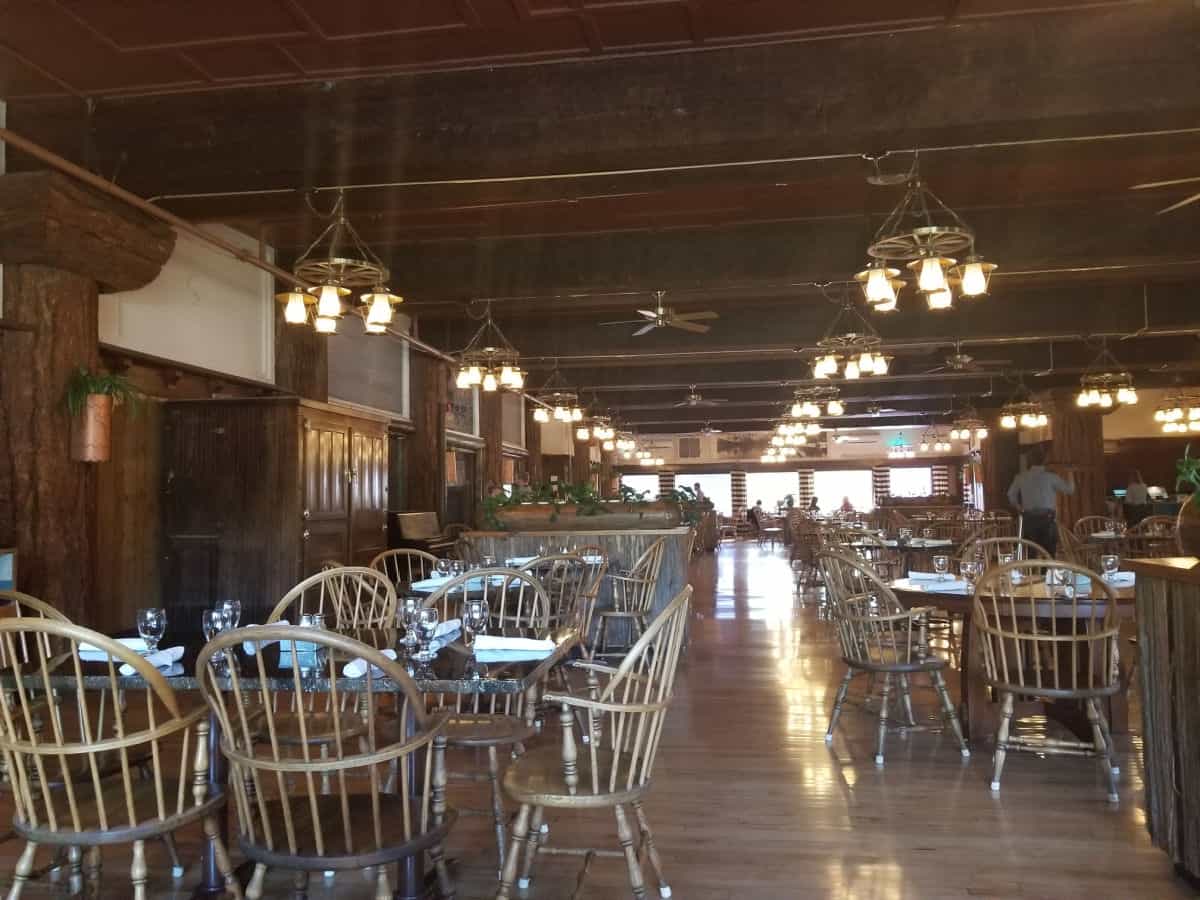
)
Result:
{"points": [[579, 448]]}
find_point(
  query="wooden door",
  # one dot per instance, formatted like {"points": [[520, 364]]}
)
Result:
{"points": [[326, 476], [368, 495]]}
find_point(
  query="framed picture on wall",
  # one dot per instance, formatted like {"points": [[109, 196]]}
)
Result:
{"points": [[8, 569]]}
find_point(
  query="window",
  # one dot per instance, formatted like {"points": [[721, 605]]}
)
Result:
{"points": [[771, 488], [715, 486], [639, 483], [832, 486], [689, 448], [912, 481]]}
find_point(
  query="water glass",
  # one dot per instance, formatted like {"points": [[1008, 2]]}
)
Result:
{"points": [[1109, 564], [456, 568], [475, 619], [151, 625], [213, 622], [409, 607], [1064, 579], [312, 656], [941, 565], [233, 611], [442, 567], [971, 570], [426, 626], [489, 561], [927, 533], [906, 534]]}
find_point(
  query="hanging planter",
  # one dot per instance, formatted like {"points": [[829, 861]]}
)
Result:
{"points": [[90, 399]]}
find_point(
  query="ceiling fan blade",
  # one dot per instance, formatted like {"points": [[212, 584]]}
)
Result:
{"points": [[682, 403], [713, 401], [624, 322], [696, 316], [645, 329], [688, 326], [1171, 182], [1181, 204], [935, 371], [648, 313], [993, 362]]}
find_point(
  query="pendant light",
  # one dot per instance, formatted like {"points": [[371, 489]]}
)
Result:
{"points": [[489, 360]]}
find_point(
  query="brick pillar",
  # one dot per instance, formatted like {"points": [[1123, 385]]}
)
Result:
{"points": [[941, 479], [804, 488], [881, 483], [737, 492], [666, 482]]}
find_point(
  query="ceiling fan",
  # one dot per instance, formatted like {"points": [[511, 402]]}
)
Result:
{"points": [[708, 429], [874, 409], [695, 399], [964, 362], [666, 317], [1171, 182]]}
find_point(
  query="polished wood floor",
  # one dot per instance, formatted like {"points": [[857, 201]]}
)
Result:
{"points": [[749, 802]]}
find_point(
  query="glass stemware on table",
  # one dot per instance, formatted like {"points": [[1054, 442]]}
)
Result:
{"points": [[941, 565], [971, 570], [442, 567], [475, 615], [151, 626], [1109, 564], [426, 628], [213, 622]]}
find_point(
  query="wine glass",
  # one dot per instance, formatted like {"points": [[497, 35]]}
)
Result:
{"points": [[970, 569], [475, 619], [427, 623], [213, 622], [442, 567], [1109, 563], [941, 565], [315, 654], [409, 607], [927, 534], [151, 625], [489, 561], [233, 611], [456, 568]]}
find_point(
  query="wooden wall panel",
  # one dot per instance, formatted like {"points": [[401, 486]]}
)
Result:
{"points": [[491, 429], [368, 495], [1001, 462], [426, 469], [326, 509], [129, 519], [301, 361], [533, 444], [581, 463], [1077, 450]]}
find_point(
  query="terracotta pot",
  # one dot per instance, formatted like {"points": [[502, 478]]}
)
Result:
{"points": [[91, 430], [616, 516], [1188, 526]]}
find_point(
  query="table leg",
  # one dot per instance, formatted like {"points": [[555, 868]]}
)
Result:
{"points": [[978, 716], [411, 878], [212, 884]]}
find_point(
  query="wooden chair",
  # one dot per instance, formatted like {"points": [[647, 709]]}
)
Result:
{"points": [[565, 577], [884, 560], [1089, 525], [350, 597], [989, 550], [1047, 645], [880, 637], [623, 722], [96, 733], [518, 605], [304, 812], [403, 567], [1154, 536], [1073, 550], [633, 597]]}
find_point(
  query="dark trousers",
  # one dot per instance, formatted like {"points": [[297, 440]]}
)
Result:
{"points": [[1042, 529]]}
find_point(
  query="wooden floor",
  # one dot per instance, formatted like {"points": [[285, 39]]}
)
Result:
{"points": [[749, 802]]}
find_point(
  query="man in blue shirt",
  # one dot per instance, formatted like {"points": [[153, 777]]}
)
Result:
{"points": [[1035, 492]]}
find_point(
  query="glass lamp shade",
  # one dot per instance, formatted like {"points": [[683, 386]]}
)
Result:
{"points": [[294, 311], [886, 306], [851, 371], [1193, 413], [878, 283], [463, 381], [882, 364], [866, 363], [1106, 400], [818, 370], [940, 299], [924, 446], [1160, 415], [981, 433], [608, 445], [540, 415], [1008, 421], [931, 273], [506, 376], [518, 381], [329, 300], [325, 325], [777, 441], [582, 434], [576, 414], [490, 384], [1042, 420], [797, 410], [374, 328], [379, 312], [834, 408], [974, 275], [812, 428]]}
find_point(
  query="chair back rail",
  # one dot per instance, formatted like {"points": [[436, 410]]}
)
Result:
{"points": [[1085, 527], [874, 628], [991, 549], [633, 592], [565, 578], [1043, 639], [350, 795], [517, 600], [94, 765], [626, 708], [26, 606], [404, 566], [349, 597]]}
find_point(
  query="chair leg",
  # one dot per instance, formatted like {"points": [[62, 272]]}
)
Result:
{"points": [[224, 866], [75, 878], [636, 882], [885, 697], [664, 889], [1006, 714], [497, 804], [906, 701], [509, 873], [532, 844], [838, 703], [1103, 747], [254, 890], [445, 883], [1108, 742], [92, 862], [137, 870], [300, 885], [383, 888], [173, 852], [23, 870], [939, 683]]}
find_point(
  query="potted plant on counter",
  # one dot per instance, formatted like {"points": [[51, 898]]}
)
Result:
{"points": [[90, 400], [1187, 471]]}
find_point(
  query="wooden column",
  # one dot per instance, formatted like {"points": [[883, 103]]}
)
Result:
{"points": [[1001, 462], [301, 360], [60, 245], [425, 473], [533, 444], [1077, 450], [491, 429], [581, 463], [609, 479]]}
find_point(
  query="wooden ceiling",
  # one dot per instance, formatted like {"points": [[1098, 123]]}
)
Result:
{"points": [[581, 154]]}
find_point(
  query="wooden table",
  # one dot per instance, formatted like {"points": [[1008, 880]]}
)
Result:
{"points": [[979, 718]]}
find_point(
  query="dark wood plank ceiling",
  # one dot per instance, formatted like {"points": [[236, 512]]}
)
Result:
{"points": [[583, 154]]}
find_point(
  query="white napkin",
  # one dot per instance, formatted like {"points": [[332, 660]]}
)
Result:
{"points": [[447, 632], [950, 586], [496, 642], [357, 668], [251, 647], [929, 576], [88, 653], [1123, 579], [163, 659]]}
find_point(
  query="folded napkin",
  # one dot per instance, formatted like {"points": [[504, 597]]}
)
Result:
{"points": [[1122, 579], [929, 576], [949, 586], [163, 659], [88, 653], [357, 668], [251, 647], [497, 642], [447, 633]]}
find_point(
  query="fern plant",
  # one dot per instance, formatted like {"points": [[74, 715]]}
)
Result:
{"points": [[84, 382]]}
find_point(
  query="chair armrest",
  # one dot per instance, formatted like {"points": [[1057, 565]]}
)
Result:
{"points": [[592, 667]]}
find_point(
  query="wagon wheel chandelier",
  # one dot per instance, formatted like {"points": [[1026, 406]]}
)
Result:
{"points": [[1179, 413], [557, 400], [926, 235], [967, 426], [811, 403], [489, 360], [934, 441], [850, 347], [1105, 383], [1023, 411], [334, 264]]}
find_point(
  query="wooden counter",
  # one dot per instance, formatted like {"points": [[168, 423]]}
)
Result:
{"points": [[1168, 619]]}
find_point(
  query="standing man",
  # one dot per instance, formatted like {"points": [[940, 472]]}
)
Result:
{"points": [[1034, 492]]}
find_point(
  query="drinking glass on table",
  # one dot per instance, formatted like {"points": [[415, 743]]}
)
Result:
{"points": [[151, 625], [1109, 527], [427, 623], [213, 622], [971, 569], [475, 620], [456, 568], [233, 611], [941, 565], [489, 561], [1063, 580], [927, 534], [409, 607], [442, 567], [1109, 564]]}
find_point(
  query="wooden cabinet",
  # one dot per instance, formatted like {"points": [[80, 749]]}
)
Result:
{"points": [[260, 493]]}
